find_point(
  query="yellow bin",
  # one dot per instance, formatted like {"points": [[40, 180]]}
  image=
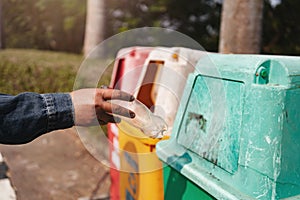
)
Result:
{"points": [[141, 176]]}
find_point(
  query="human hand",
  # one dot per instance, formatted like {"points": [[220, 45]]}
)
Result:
{"points": [[91, 107]]}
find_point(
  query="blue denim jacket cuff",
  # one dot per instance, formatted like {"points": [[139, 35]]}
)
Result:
{"points": [[60, 111]]}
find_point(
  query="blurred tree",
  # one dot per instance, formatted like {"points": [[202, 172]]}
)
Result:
{"points": [[241, 26], [60, 24], [1, 27], [197, 19], [94, 29], [44, 24], [281, 29], [200, 20]]}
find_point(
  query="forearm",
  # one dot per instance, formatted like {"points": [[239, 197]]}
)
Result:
{"points": [[28, 115]]}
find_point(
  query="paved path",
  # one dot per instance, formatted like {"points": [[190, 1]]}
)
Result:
{"points": [[7, 192], [54, 166]]}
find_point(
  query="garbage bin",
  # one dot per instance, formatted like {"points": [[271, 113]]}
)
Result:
{"points": [[170, 68], [141, 174], [127, 67], [236, 133]]}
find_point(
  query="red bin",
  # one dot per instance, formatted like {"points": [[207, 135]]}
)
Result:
{"points": [[126, 73]]}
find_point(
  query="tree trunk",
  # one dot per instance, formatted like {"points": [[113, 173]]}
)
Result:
{"points": [[1, 27], [241, 26], [94, 28]]}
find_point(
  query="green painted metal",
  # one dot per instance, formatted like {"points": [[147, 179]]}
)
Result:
{"points": [[198, 123], [178, 187], [238, 122]]}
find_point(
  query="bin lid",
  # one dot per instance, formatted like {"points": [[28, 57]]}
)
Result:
{"points": [[279, 70]]}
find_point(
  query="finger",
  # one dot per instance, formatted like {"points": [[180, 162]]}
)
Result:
{"points": [[117, 94], [106, 118], [117, 110]]}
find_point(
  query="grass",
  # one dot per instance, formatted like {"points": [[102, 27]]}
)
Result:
{"points": [[37, 71], [27, 70]]}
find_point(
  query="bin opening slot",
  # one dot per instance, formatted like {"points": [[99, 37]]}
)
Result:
{"points": [[118, 81], [148, 90]]}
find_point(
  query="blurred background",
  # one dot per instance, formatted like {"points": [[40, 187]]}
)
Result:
{"points": [[43, 42], [76, 26], [59, 25]]}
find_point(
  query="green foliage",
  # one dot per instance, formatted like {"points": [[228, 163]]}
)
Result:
{"points": [[44, 24], [37, 71], [280, 28], [201, 21], [197, 19], [59, 24]]}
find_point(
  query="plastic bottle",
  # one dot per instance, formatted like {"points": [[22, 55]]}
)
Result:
{"points": [[151, 125]]}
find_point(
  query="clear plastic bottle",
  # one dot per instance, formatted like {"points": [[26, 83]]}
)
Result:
{"points": [[151, 125]]}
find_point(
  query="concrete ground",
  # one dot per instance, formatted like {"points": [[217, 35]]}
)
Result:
{"points": [[54, 166], [7, 192]]}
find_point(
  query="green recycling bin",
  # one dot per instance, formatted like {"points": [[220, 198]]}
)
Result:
{"points": [[237, 131], [178, 187]]}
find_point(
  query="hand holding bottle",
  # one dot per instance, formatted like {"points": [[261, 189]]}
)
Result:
{"points": [[151, 125]]}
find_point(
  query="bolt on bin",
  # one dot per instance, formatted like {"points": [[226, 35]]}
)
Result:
{"points": [[127, 69], [141, 174], [236, 132]]}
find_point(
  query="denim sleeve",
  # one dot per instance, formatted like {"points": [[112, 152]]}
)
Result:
{"points": [[29, 115]]}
